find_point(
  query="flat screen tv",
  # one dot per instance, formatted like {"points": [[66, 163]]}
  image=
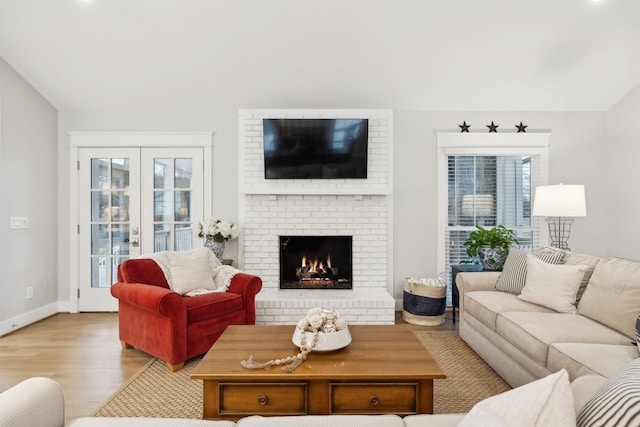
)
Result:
{"points": [[315, 148]]}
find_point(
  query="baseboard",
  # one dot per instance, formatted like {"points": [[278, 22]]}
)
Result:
{"points": [[13, 324]]}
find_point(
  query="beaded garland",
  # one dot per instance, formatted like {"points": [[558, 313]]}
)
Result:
{"points": [[317, 320]]}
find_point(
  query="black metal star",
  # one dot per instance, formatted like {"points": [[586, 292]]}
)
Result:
{"points": [[521, 127], [493, 127], [464, 127]]}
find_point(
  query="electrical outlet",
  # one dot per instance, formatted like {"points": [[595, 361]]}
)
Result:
{"points": [[30, 292]]}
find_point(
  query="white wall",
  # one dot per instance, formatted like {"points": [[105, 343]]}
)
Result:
{"points": [[29, 188], [621, 170], [578, 144]]}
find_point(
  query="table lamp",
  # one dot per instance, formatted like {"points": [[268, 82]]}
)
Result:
{"points": [[559, 203]]}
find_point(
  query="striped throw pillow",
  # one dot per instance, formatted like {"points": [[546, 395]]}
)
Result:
{"points": [[638, 332], [617, 402], [514, 272]]}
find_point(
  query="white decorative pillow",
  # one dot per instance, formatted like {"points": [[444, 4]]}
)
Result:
{"points": [[617, 403], [514, 272], [188, 271], [552, 286], [545, 402]]}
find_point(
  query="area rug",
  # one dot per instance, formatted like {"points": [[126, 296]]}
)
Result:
{"points": [[156, 392]]}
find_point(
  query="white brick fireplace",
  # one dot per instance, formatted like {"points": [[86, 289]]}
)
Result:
{"points": [[361, 208]]}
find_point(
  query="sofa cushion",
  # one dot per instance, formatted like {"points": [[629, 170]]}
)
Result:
{"points": [[617, 403], [533, 333], [586, 359], [486, 305], [208, 306], [514, 272], [612, 296], [545, 402], [190, 270], [552, 286]]}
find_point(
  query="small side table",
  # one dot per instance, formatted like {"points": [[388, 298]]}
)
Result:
{"points": [[455, 294]]}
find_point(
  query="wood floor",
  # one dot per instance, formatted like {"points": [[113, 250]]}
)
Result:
{"points": [[82, 352]]}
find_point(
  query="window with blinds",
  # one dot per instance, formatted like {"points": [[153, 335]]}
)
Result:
{"points": [[488, 179], [488, 190]]}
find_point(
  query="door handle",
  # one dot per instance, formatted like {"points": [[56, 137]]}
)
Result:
{"points": [[135, 243]]}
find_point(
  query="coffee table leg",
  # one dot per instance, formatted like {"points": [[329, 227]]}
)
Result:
{"points": [[425, 402], [210, 400]]}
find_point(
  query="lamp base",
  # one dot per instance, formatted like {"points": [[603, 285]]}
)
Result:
{"points": [[559, 231]]}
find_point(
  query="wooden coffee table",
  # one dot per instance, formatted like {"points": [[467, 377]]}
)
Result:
{"points": [[385, 370]]}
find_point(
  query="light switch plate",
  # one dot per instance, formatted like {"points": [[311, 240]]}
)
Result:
{"points": [[17, 222]]}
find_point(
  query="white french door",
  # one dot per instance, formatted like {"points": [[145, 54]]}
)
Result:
{"points": [[132, 201]]}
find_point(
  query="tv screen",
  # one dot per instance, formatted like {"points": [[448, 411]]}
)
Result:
{"points": [[315, 148]]}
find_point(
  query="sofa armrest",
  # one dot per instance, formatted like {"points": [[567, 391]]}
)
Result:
{"points": [[37, 401], [150, 298], [476, 281], [248, 286]]}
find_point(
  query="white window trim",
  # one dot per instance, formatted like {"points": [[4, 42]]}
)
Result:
{"points": [[449, 143]]}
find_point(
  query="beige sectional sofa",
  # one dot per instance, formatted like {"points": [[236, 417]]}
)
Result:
{"points": [[524, 341]]}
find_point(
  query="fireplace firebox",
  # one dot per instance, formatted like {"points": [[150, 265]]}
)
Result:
{"points": [[316, 262]]}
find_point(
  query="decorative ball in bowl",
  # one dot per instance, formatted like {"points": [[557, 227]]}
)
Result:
{"points": [[327, 341]]}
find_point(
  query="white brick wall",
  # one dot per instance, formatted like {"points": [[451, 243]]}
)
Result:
{"points": [[358, 208]]}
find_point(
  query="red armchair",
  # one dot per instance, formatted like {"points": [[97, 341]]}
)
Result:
{"points": [[173, 328]]}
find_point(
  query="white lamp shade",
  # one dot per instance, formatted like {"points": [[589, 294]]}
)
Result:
{"points": [[559, 200]]}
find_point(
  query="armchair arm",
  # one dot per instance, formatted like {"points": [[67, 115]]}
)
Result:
{"points": [[150, 298], [248, 286], [37, 401]]}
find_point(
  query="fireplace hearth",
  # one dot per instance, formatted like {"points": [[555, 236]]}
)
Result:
{"points": [[316, 262]]}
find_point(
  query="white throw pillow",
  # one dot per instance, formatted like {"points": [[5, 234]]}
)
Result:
{"points": [[189, 271], [545, 402], [514, 272], [552, 286]]}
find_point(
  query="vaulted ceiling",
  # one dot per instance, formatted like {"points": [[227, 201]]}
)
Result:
{"points": [[545, 55]]}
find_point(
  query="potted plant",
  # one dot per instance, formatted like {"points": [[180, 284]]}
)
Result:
{"points": [[490, 245]]}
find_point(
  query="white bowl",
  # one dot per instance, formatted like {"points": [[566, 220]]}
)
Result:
{"points": [[326, 341]]}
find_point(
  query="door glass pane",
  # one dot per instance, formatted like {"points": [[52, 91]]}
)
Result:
{"points": [[120, 240], [183, 173], [183, 206], [162, 209], [100, 206], [162, 237], [99, 173], [163, 173], [119, 173], [184, 237], [100, 272], [99, 239], [119, 206]]}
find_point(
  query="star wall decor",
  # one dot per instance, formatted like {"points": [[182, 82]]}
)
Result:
{"points": [[464, 127], [521, 127], [493, 127]]}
